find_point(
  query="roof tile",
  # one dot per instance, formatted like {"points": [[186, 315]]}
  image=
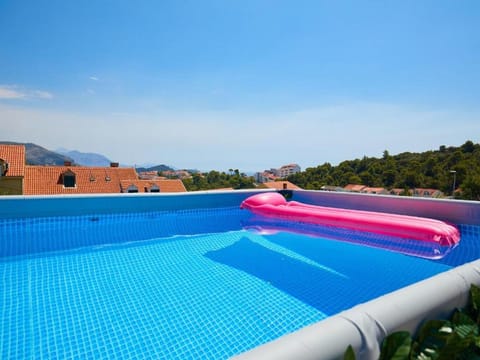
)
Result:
{"points": [[173, 185], [14, 155], [47, 180], [279, 185]]}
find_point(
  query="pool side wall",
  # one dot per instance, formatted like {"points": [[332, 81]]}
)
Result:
{"points": [[454, 211], [66, 205]]}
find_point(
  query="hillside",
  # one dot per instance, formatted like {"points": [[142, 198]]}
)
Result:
{"points": [[37, 155], [443, 169], [158, 168], [85, 159]]}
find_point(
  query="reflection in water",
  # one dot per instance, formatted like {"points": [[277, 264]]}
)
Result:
{"points": [[427, 250]]}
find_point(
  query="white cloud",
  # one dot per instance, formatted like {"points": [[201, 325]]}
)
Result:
{"points": [[13, 92], [41, 94], [9, 92], [94, 78]]}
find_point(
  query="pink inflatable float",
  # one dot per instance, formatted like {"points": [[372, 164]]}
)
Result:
{"points": [[274, 205]]}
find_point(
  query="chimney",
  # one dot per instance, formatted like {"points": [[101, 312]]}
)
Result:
{"points": [[114, 164], [67, 163]]}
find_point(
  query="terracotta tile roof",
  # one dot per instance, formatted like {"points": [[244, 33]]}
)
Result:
{"points": [[268, 176], [397, 191], [374, 190], [148, 175], [427, 192], [354, 187], [173, 185], [47, 180], [14, 155], [279, 185]]}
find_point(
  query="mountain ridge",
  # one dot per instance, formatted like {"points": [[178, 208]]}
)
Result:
{"points": [[38, 155], [85, 159]]}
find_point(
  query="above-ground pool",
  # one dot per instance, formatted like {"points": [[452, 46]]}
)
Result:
{"points": [[186, 283]]}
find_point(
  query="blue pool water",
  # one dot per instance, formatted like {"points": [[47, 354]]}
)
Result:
{"points": [[182, 285]]}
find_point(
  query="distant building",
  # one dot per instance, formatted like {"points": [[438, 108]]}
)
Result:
{"points": [[264, 177], [180, 174], [149, 175], [287, 170], [365, 189], [354, 187], [274, 174], [18, 178], [12, 169], [153, 186], [281, 185], [375, 190], [420, 192], [51, 180], [67, 179], [433, 193]]}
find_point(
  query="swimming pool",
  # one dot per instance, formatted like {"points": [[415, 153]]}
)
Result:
{"points": [[182, 283]]}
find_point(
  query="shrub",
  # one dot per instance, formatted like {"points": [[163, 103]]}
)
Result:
{"points": [[455, 338]]}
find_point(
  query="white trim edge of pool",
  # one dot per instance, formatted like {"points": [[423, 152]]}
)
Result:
{"points": [[366, 325]]}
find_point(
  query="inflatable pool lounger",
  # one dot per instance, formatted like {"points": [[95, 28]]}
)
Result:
{"points": [[274, 205]]}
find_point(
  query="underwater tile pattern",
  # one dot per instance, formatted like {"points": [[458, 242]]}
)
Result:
{"points": [[184, 285], [155, 299], [28, 236]]}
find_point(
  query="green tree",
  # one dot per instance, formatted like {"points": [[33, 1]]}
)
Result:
{"points": [[468, 147], [389, 177], [367, 178], [471, 187]]}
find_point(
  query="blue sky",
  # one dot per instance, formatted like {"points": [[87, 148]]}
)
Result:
{"points": [[240, 84]]}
